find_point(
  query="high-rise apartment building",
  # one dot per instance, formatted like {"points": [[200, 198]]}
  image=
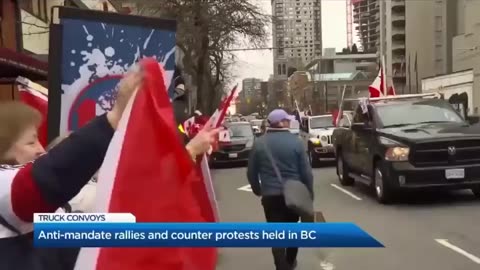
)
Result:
{"points": [[381, 28], [297, 34]]}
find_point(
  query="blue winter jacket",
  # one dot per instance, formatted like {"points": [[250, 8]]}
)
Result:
{"points": [[291, 159]]}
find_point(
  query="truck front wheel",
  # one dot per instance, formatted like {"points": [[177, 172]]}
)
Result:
{"points": [[383, 192], [343, 171]]}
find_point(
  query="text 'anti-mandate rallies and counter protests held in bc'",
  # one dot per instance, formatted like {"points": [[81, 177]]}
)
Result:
{"points": [[121, 230]]}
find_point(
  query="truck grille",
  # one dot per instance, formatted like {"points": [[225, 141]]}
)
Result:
{"points": [[233, 147], [461, 152], [329, 139]]}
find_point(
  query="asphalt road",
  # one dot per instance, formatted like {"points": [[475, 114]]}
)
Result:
{"points": [[422, 231]]}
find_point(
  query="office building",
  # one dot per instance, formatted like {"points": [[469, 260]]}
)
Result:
{"points": [[297, 34]]}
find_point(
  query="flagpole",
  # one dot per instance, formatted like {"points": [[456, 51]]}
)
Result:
{"points": [[385, 87], [340, 107], [416, 72], [409, 75]]}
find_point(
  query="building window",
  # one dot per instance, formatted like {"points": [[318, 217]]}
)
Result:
{"points": [[284, 69], [37, 8]]}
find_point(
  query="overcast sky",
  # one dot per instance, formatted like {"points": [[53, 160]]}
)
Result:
{"points": [[259, 64]]}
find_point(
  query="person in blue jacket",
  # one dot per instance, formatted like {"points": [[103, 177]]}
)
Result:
{"points": [[290, 157]]}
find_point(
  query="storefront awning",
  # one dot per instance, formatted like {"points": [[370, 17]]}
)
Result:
{"points": [[14, 64]]}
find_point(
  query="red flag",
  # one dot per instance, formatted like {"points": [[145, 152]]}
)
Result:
{"points": [[217, 119], [391, 89], [35, 96], [159, 187], [219, 115], [336, 117], [376, 87]]}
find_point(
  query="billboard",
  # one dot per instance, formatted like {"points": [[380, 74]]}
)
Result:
{"points": [[89, 51]]}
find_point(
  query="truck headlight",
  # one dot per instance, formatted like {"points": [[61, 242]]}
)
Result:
{"points": [[315, 141], [397, 153], [324, 138]]}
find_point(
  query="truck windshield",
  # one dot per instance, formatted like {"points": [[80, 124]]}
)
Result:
{"points": [[240, 131], [428, 111], [321, 122]]}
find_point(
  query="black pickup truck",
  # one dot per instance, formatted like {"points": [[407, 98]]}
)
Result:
{"points": [[393, 145]]}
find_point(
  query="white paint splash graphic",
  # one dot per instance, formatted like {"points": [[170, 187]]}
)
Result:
{"points": [[96, 63], [147, 40], [86, 30], [109, 51]]}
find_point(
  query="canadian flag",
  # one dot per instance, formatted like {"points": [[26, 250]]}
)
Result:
{"points": [[159, 187], [391, 89], [379, 86], [219, 115], [36, 96]]}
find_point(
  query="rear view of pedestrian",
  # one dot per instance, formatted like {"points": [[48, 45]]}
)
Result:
{"points": [[276, 156]]}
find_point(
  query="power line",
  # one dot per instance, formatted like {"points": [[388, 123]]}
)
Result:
{"points": [[264, 48]]}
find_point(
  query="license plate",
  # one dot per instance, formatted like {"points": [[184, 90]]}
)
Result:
{"points": [[455, 173], [233, 155]]}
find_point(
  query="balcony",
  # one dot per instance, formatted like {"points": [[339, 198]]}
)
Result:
{"points": [[398, 17], [398, 21], [361, 18], [398, 46], [398, 60], [398, 33], [398, 5], [360, 5]]}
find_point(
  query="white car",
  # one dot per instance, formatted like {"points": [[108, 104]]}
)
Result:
{"points": [[316, 134]]}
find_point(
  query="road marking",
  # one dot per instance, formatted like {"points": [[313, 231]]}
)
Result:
{"points": [[245, 188], [347, 192], [445, 243]]}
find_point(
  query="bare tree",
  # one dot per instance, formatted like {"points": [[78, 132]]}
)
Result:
{"points": [[206, 30]]}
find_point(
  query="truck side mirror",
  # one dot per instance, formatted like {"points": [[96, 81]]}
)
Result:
{"points": [[361, 127]]}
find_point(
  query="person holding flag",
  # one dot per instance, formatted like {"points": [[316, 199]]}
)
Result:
{"points": [[32, 181]]}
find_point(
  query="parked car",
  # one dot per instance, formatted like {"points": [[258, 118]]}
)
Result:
{"points": [[237, 148], [412, 143]]}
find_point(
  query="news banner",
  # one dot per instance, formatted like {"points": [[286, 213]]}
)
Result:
{"points": [[122, 230]]}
